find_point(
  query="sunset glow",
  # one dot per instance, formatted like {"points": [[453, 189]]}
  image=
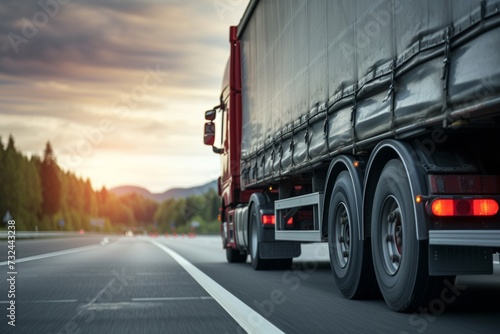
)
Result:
{"points": [[118, 87]]}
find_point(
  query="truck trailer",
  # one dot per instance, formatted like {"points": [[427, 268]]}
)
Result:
{"points": [[373, 126]]}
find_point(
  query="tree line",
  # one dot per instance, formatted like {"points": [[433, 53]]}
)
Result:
{"points": [[39, 195]]}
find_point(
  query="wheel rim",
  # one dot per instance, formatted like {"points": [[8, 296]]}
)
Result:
{"points": [[254, 239], [342, 235], [392, 235], [223, 235]]}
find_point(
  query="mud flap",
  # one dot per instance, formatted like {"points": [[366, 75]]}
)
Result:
{"points": [[460, 260], [279, 250]]}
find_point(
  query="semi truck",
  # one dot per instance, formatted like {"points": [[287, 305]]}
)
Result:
{"points": [[373, 126]]}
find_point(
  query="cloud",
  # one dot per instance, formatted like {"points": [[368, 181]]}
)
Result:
{"points": [[107, 34], [69, 76]]}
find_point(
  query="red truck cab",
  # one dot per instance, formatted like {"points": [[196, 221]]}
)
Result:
{"points": [[230, 134]]}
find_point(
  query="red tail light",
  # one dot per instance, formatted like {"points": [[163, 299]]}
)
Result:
{"points": [[443, 207], [447, 207], [268, 219], [486, 207]]}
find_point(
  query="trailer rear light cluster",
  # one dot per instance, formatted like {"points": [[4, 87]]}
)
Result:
{"points": [[449, 207]]}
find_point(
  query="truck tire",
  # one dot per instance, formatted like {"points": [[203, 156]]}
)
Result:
{"points": [[399, 258], [255, 235], [235, 256], [349, 257]]}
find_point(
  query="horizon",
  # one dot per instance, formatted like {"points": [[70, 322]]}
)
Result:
{"points": [[162, 192], [174, 187]]}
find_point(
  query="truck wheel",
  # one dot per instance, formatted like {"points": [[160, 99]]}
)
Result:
{"points": [[235, 256], [349, 258], [255, 238], [399, 259]]}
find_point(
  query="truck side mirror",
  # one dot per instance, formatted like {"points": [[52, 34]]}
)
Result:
{"points": [[209, 133], [210, 115]]}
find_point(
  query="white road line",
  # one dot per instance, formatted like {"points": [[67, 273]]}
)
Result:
{"points": [[246, 317], [59, 253], [56, 301], [161, 299], [43, 301]]}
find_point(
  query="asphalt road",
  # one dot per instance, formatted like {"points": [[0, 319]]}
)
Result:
{"points": [[90, 284]]}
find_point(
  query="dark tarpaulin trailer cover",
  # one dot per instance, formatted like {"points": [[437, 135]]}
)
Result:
{"points": [[324, 77]]}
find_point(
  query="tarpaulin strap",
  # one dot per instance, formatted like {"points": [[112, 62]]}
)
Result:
{"points": [[448, 33], [262, 163], [325, 126], [392, 86], [326, 122], [306, 135], [280, 151], [353, 118], [272, 159], [392, 90], [246, 175], [447, 56], [306, 139]]}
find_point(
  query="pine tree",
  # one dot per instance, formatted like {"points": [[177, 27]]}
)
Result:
{"points": [[10, 144], [90, 201], [3, 181], [32, 191], [10, 190], [51, 184]]}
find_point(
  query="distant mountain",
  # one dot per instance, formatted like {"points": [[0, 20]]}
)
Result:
{"points": [[172, 193]]}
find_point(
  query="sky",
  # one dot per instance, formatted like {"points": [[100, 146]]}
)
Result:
{"points": [[118, 87]]}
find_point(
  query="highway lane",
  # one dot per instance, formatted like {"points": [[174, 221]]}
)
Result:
{"points": [[125, 286], [131, 285]]}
